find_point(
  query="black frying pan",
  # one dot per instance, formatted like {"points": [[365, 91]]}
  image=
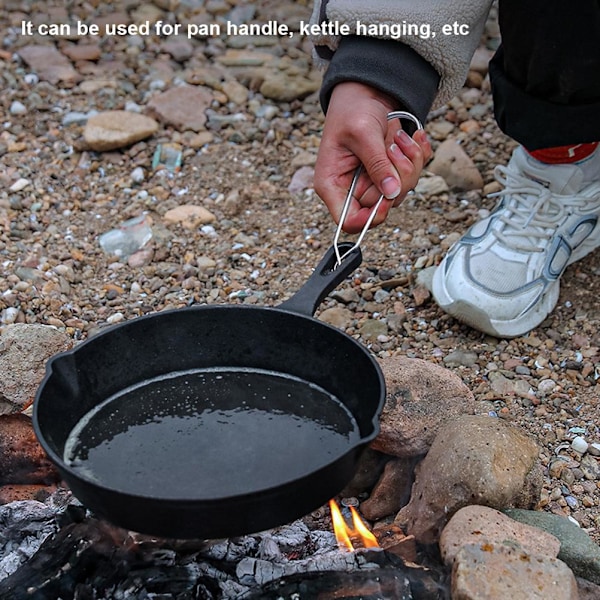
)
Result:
{"points": [[213, 421]]}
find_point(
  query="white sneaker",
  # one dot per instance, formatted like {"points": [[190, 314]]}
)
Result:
{"points": [[502, 277]]}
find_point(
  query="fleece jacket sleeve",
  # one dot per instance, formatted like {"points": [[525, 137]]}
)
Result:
{"points": [[389, 66], [444, 33]]}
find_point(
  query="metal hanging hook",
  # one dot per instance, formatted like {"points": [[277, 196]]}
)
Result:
{"points": [[397, 114]]}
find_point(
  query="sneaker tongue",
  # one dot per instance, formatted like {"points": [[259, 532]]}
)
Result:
{"points": [[560, 179]]}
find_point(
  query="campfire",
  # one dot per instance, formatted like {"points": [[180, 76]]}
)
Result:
{"points": [[347, 536], [330, 557]]}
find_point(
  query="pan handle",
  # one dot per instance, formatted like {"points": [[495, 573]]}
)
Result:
{"points": [[325, 278]]}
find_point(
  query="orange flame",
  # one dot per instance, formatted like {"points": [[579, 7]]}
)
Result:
{"points": [[347, 536]]}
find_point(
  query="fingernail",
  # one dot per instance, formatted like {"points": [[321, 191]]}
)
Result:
{"points": [[421, 135], [390, 187], [403, 137], [395, 150]]}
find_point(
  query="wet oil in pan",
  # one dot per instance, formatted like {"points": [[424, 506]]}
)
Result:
{"points": [[210, 434]]}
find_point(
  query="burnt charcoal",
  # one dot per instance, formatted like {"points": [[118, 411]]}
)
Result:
{"points": [[73, 513], [381, 584], [427, 582], [92, 559], [75, 553]]}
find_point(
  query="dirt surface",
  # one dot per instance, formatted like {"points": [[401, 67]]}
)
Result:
{"points": [[57, 197]]}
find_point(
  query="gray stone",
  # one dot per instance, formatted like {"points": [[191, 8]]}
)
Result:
{"points": [[461, 357], [587, 590], [371, 329], [302, 179], [577, 549], [346, 296]]}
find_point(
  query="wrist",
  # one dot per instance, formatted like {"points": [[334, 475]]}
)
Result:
{"points": [[354, 91]]}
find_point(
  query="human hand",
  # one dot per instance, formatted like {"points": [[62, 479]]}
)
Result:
{"points": [[356, 132]]}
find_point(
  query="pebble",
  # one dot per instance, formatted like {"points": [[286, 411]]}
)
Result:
{"points": [[17, 108], [138, 175], [431, 186], [453, 164], [337, 316], [116, 318], [9, 315], [182, 107], [546, 386], [346, 295], [590, 467], [461, 357], [189, 215], [49, 64], [371, 329], [205, 262], [440, 130], [302, 180], [579, 445], [20, 185], [116, 129]]}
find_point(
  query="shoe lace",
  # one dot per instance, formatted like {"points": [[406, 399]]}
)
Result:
{"points": [[531, 214]]}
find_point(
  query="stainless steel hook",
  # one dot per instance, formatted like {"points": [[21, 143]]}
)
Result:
{"points": [[397, 114]]}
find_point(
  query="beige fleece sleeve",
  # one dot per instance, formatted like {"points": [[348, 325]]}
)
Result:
{"points": [[445, 33]]}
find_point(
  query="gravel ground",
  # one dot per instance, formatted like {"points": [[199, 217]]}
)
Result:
{"points": [[57, 197]]}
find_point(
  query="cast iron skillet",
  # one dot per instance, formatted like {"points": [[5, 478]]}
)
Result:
{"points": [[220, 393]]}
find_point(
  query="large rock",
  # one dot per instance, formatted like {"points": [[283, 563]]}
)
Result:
{"points": [[473, 460], [483, 525], [483, 571], [24, 350], [421, 398], [117, 129]]}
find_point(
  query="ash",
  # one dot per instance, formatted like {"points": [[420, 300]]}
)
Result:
{"points": [[56, 549]]}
